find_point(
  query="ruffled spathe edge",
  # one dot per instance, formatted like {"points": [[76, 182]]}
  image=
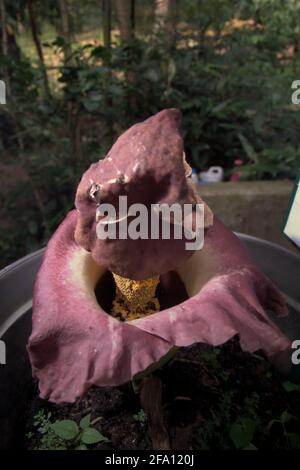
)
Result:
{"points": [[75, 344]]}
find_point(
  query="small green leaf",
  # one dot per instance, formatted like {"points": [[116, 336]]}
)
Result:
{"points": [[85, 422], [248, 148], [241, 433], [238, 436], [290, 386], [141, 416], [65, 429], [42, 429], [248, 424], [152, 75], [91, 105], [92, 436]]}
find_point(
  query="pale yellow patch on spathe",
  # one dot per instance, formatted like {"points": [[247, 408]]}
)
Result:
{"points": [[197, 271], [84, 271]]}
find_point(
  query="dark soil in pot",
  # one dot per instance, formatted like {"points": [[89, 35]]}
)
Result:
{"points": [[213, 398]]}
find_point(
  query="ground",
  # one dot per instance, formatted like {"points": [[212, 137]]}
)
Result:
{"points": [[213, 398]]}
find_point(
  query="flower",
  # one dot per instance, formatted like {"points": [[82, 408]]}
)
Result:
{"points": [[75, 343]]}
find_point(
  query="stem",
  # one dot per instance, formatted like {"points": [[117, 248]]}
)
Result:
{"points": [[151, 401]]}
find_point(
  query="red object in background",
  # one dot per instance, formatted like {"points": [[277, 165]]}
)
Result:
{"points": [[236, 176]]}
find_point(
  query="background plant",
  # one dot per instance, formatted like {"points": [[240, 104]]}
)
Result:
{"points": [[228, 65], [63, 434]]}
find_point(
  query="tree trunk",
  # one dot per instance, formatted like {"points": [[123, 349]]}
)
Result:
{"points": [[4, 48], [165, 21], [125, 15], [161, 12], [132, 17], [3, 29], [65, 23], [106, 10], [74, 125], [166, 16], [38, 46]]}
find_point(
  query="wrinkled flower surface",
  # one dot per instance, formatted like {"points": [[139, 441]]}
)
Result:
{"points": [[75, 343]]}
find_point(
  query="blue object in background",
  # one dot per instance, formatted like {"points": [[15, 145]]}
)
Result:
{"points": [[194, 175]]}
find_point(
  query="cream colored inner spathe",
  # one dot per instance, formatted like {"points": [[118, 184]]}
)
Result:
{"points": [[197, 271], [84, 271], [194, 273]]}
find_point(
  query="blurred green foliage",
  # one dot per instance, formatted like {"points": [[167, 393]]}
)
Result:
{"points": [[229, 68]]}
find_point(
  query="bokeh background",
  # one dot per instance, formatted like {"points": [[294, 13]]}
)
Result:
{"points": [[78, 73]]}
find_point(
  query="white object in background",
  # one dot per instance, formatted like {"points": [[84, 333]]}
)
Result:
{"points": [[292, 224], [214, 174]]}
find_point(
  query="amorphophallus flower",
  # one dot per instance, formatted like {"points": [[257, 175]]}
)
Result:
{"points": [[105, 310]]}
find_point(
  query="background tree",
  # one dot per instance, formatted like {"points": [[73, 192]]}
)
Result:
{"points": [[66, 30], [4, 48], [161, 13], [38, 45], [229, 70], [106, 12], [125, 10], [166, 18]]}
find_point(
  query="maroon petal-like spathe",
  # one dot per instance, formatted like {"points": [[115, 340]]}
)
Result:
{"points": [[75, 344], [146, 165]]}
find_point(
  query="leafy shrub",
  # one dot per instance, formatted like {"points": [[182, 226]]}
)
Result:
{"points": [[230, 74]]}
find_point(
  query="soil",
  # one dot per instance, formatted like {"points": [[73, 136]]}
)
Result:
{"points": [[213, 398]]}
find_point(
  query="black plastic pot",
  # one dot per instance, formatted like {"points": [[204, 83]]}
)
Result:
{"points": [[16, 286]]}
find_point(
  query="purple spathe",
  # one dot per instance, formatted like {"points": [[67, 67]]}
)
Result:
{"points": [[75, 344]]}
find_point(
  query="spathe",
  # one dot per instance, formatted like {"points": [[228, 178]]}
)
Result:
{"points": [[75, 344]]}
